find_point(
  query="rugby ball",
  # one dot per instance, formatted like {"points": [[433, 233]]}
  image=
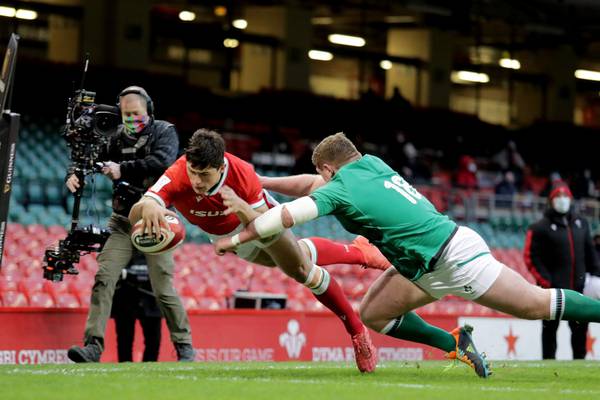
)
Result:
{"points": [[171, 236]]}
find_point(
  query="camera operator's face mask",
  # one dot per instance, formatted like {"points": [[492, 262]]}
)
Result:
{"points": [[561, 204], [134, 124]]}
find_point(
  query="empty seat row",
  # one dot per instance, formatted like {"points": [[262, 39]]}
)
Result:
{"points": [[204, 280]]}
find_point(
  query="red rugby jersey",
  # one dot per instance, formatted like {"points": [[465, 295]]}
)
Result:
{"points": [[206, 211]]}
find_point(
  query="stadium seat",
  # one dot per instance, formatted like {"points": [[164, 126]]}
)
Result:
{"points": [[189, 303], [8, 285], [80, 287], [31, 285], [84, 300], [35, 193], [56, 289], [13, 298], [40, 299], [67, 300], [210, 304]]}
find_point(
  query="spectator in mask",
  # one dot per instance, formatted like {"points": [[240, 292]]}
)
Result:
{"points": [[466, 175], [558, 252]]}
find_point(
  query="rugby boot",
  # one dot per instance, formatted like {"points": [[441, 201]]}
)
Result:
{"points": [[373, 257], [364, 352], [467, 353]]}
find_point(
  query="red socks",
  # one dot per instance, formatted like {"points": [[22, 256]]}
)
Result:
{"points": [[328, 252], [334, 299]]}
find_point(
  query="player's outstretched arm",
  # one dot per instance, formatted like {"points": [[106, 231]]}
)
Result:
{"points": [[294, 186], [152, 213], [271, 223]]}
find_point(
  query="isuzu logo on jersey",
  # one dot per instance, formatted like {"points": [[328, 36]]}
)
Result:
{"points": [[200, 213]]}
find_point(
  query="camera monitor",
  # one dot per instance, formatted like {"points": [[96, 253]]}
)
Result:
{"points": [[9, 129]]}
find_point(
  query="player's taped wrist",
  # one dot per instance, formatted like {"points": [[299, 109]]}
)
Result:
{"points": [[235, 239], [269, 223], [296, 212]]}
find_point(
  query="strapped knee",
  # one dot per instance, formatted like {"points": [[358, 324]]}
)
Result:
{"points": [[317, 280], [312, 249]]}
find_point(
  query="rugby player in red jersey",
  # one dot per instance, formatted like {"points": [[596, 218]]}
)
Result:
{"points": [[193, 185]]}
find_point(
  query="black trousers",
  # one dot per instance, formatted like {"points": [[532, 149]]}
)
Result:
{"points": [[578, 339], [125, 327]]}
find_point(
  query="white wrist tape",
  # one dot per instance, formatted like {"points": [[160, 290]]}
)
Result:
{"points": [[302, 210], [269, 223]]}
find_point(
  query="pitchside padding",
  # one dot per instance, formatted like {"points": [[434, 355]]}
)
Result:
{"points": [[9, 129]]}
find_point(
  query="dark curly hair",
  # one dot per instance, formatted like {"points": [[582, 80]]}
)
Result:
{"points": [[205, 149]]}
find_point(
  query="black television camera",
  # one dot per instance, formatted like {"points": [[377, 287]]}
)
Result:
{"points": [[61, 259], [88, 128]]}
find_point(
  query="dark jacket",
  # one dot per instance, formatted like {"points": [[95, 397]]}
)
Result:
{"points": [[133, 296], [143, 159], [559, 251], [142, 165]]}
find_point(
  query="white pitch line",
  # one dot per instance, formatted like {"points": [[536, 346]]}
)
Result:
{"points": [[403, 385]]}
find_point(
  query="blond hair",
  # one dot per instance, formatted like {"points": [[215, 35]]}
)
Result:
{"points": [[334, 149]]}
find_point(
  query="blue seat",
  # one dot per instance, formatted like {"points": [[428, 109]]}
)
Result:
{"points": [[17, 192], [15, 209], [35, 193]]}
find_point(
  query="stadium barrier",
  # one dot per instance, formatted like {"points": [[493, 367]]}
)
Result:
{"points": [[42, 336]]}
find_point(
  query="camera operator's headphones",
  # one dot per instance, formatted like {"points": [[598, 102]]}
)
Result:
{"points": [[140, 92]]}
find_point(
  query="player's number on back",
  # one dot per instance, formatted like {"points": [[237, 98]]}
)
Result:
{"points": [[404, 188]]}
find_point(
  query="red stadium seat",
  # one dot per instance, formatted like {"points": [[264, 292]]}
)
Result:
{"points": [[36, 230], [67, 300], [84, 299], [295, 305], [6, 285], [314, 305], [13, 249], [31, 285], [55, 289], [88, 263], [13, 298], [40, 299], [33, 268], [15, 275], [79, 287], [189, 303], [195, 286], [57, 231], [357, 291], [210, 304]]}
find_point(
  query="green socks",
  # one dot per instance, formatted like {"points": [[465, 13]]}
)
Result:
{"points": [[413, 328], [573, 306]]}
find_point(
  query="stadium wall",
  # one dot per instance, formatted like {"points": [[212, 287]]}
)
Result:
{"points": [[37, 336], [42, 336]]}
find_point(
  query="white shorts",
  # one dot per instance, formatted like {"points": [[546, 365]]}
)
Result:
{"points": [[466, 268], [249, 251]]}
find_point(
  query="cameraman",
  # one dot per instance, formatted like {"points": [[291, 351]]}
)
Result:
{"points": [[135, 156], [134, 300]]}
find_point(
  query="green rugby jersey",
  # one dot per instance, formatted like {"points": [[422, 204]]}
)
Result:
{"points": [[372, 200]]}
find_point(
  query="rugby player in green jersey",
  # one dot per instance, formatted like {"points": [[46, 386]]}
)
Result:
{"points": [[431, 255]]}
